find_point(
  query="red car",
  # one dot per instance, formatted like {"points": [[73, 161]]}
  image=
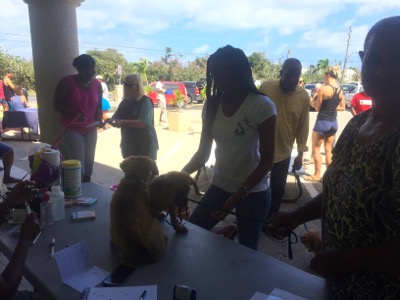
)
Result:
{"points": [[170, 87]]}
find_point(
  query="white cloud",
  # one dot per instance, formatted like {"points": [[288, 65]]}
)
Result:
{"points": [[202, 49], [143, 28], [373, 7]]}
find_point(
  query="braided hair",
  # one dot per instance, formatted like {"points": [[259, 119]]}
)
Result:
{"points": [[240, 67]]}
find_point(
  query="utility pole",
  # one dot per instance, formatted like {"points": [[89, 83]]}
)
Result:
{"points": [[347, 54]]}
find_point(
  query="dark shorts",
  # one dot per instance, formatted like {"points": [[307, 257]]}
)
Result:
{"points": [[325, 128]]}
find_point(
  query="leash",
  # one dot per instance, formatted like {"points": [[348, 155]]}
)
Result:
{"points": [[56, 142], [299, 191], [291, 235], [226, 211]]}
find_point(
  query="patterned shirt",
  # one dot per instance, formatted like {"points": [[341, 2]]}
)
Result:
{"points": [[361, 207]]}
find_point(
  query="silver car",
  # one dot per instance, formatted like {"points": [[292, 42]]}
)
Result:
{"points": [[349, 90]]}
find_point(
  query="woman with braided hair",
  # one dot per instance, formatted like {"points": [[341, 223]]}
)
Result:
{"points": [[241, 121]]}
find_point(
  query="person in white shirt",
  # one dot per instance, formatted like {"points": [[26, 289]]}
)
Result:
{"points": [[162, 102], [241, 120]]}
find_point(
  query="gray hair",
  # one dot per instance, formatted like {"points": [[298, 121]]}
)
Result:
{"points": [[139, 81]]}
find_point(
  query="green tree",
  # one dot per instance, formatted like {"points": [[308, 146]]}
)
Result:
{"points": [[142, 69], [190, 72], [107, 62], [172, 61], [201, 62], [155, 69], [321, 67], [23, 69], [259, 65]]}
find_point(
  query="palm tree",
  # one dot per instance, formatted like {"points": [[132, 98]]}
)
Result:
{"points": [[322, 66], [142, 69]]}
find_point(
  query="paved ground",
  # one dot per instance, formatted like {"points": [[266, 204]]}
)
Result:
{"points": [[176, 148]]}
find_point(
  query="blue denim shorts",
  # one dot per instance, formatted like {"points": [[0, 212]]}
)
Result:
{"points": [[326, 128]]}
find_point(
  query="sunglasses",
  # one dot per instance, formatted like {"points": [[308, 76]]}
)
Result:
{"points": [[130, 85]]}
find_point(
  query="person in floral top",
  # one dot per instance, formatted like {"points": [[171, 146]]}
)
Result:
{"points": [[360, 203]]}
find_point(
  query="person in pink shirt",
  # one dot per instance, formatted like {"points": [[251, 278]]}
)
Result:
{"points": [[78, 100], [360, 102], [2, 96]]}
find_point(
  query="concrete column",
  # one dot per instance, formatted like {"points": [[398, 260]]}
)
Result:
{"points": [[54, 37]]}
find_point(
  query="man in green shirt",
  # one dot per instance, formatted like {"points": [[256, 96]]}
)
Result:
{"points": [[292, 104]]}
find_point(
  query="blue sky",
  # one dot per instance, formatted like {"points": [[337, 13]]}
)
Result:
{"points": [[311, 30]]}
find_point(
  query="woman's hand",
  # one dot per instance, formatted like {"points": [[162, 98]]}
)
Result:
{"points": [[21, 192], [230, 203], [114, 122], [29, 229], [298, 161], [280, 224]]}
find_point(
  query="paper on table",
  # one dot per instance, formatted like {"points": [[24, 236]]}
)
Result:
{"points": [[76, 269], [260, 296], [277, 294], [121, 292]]}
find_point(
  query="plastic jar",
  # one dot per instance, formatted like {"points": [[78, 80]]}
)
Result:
{"points": [[71, 178]]}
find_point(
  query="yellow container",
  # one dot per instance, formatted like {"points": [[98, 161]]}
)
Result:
{"points": [[71, 178]]}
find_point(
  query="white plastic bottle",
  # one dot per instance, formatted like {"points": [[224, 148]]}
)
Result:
{"points": [[57, 197]]}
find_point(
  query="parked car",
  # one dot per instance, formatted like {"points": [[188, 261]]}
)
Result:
{"points": [[310, 87], [193, 91], [170, 87], [349, 90], [201, 84]]}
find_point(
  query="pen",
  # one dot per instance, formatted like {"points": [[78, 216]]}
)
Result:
{"points": [[52, 244], [36, 238], [143, 295]]}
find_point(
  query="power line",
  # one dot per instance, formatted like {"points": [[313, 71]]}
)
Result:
{"points": [[148, 51], [111, 45]]}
